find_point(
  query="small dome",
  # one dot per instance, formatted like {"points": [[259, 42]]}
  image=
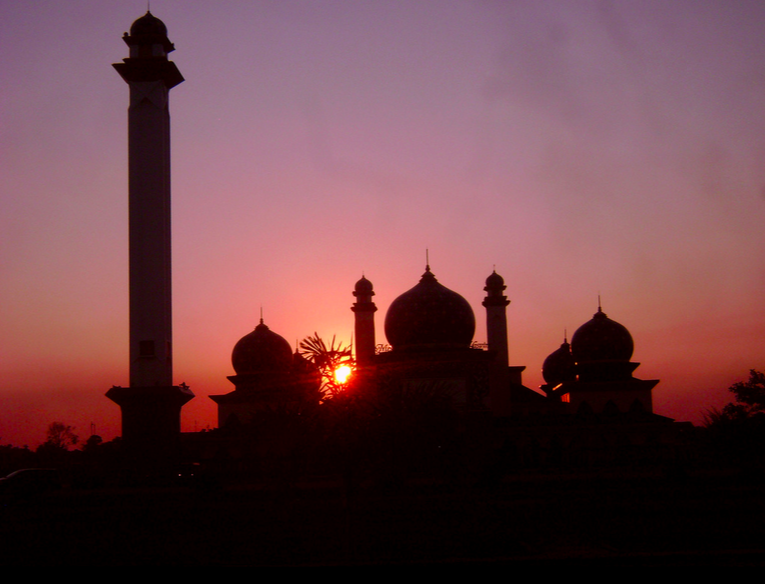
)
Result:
{"points": [[148, 25], [495, 282], [261, 351], [559, 365], [601, 339], [429, 316], [363, 286]]}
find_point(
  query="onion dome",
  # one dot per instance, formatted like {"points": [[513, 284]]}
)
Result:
{"points": [[364, 287], [601, 339], [261, 351], [429, 316], [148, 25], [495, 282], [559, 365]]}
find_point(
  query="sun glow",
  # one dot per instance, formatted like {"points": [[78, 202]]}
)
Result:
{"points": [[342, 373]]}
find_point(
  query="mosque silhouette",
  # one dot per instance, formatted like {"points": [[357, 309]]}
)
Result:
{"points": [[430, 331], [589, 383]]}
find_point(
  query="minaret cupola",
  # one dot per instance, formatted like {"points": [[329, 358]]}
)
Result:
{"points": [[148, 38], [149, 47]]}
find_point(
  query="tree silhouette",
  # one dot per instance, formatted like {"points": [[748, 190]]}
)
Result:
{"points": [[327, 359], [737, 432], [750, 395], [55, 449], [60, 436], [750, 401]]}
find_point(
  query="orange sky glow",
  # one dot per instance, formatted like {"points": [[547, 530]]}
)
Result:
{"points": [[580, 147]]}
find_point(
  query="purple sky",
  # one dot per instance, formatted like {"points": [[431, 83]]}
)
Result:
{"points": [[581, 147]]}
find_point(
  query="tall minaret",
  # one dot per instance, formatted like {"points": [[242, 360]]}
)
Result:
{"points": [[364, 329], [496, 318], [151, 405]]}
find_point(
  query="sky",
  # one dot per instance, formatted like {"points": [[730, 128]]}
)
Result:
{"points": [[578, 147]]}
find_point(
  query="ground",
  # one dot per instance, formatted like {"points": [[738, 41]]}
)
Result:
{"points": [[613, 518]]}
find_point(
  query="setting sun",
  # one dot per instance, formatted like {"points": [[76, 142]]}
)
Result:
{"points": [[342, 373]]}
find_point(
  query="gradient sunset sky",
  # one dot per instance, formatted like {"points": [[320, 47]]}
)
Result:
{"points": [[581, 147]]}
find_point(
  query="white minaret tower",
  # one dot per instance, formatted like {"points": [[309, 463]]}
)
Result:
{"points": [[151, 405]]}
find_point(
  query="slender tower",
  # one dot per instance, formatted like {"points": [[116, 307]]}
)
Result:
{"points": [[496, 318], [364, 328], [151, 406]]}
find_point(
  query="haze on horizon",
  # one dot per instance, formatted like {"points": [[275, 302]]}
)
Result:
{"points": [[583, 148]]}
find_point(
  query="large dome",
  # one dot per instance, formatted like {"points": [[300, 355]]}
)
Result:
{"points": [[429, 316], [601, 339], [261, 351]]}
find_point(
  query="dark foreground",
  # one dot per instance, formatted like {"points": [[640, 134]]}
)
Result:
{"points": [[612, 519]]}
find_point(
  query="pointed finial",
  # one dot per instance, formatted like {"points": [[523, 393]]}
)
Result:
{"points": [[565, 336], [427, 260], [599, 309], [261, 314]]}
